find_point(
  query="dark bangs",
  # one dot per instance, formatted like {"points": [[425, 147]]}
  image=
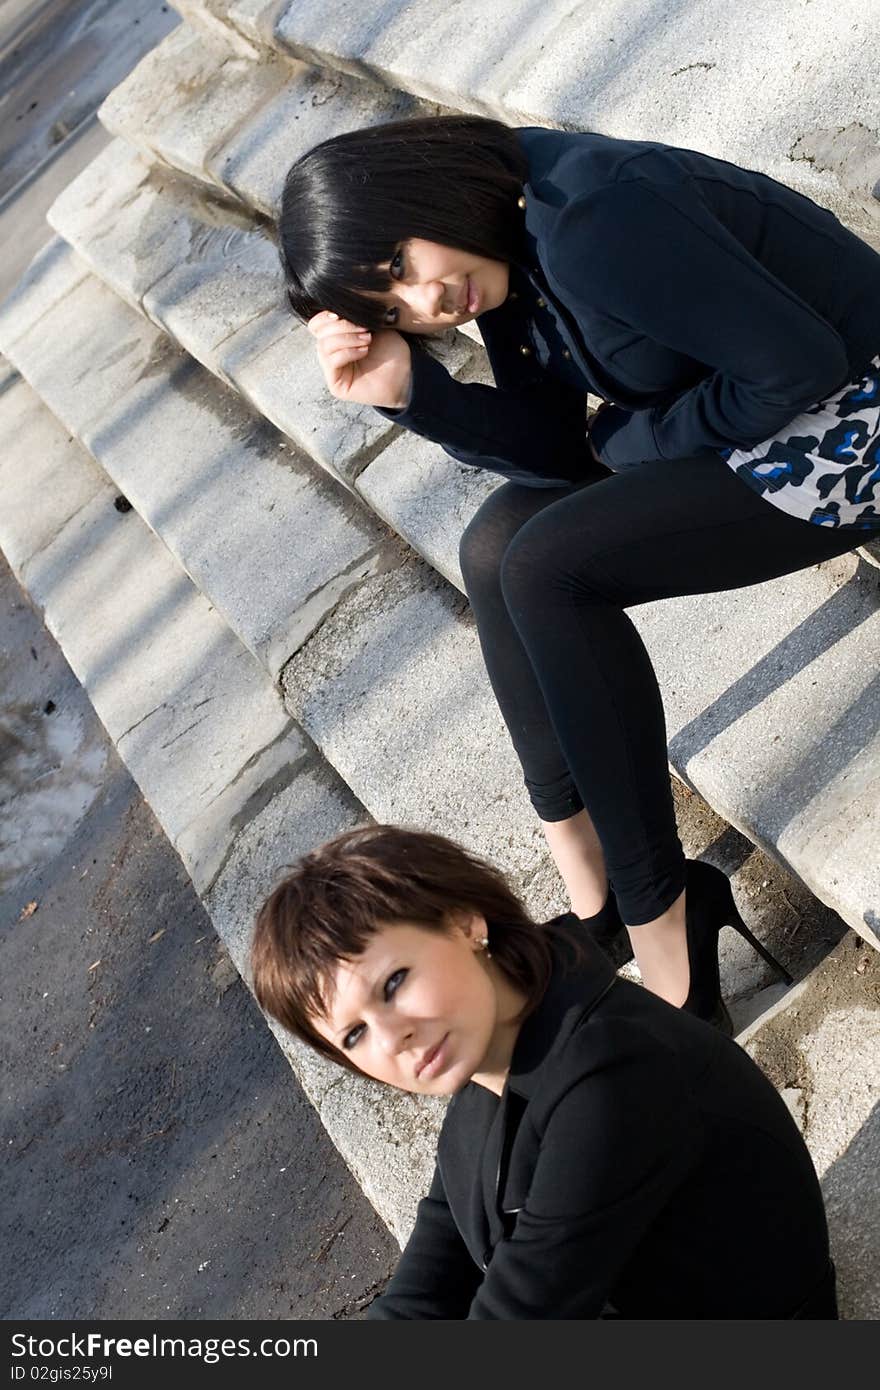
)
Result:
{"points": [[326, 910], [350, 202]]}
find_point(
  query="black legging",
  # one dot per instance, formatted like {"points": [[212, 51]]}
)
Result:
{"points": [[549, 572]]}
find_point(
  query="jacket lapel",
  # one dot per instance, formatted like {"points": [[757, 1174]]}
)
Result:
{"points": [[569, 999]]}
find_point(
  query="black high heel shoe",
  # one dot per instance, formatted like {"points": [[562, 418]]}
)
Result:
{"points": [[709, 906], [607, 930]]}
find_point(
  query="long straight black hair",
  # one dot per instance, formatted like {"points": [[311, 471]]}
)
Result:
{"points": [[350, 202]]}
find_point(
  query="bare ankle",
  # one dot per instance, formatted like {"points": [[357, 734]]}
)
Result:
{"points": [[660, 949], [578, 856]]}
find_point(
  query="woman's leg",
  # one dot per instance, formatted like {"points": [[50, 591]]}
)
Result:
{"points": [[568, 829], [660, 529]]}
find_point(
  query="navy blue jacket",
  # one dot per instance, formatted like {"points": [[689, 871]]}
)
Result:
{"points": [[637, 1160], [708, 304]]}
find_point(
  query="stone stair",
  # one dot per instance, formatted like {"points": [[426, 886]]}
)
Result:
{"points": [[283, 606]]}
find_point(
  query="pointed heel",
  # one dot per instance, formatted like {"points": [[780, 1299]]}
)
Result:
{"points": [[709, 906], [739, 925]]}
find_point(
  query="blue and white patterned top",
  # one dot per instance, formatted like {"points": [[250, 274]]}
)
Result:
{"points": [[824, 466]]}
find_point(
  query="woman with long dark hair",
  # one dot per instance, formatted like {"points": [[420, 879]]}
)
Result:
{"points": [[604, 1154], [731, 328]]}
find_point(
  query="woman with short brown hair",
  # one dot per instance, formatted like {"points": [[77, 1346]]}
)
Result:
{"points": [[603, 1154]]}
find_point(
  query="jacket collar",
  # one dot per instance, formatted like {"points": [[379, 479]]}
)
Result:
{"points": [[476, 1198], [571, 995], [573, 992], [551, 182]]}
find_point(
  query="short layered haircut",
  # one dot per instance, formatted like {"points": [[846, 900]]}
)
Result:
{"points": [[338, 896]]}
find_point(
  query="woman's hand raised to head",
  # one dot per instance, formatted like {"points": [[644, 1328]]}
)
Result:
{"points": [[369, 368]]}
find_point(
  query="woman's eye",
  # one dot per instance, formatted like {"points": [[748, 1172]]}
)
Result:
{"points": [[352, 1036], [393, 982], [396, 266], [390, 318]]}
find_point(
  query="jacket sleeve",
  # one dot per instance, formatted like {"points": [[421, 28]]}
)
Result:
{"points": [[658, 261], [535, 436], [616, 1145], [435, 1277]]}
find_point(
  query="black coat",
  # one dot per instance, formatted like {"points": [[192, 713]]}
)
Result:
{"points": [[709, 304], [637, 1162]]}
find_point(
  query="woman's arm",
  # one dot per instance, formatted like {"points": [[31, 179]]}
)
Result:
{"points": [[535, 436], [616, 1145], [435, 1277], [658, 261]]}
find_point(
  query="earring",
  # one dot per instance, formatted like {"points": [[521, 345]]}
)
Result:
{"points": [[483, 941]]}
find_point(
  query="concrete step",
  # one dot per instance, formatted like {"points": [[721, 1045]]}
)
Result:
{"points": [[236, 785], [820, 1046], [268, 538], [635, 73], [237, 123], [212, 280]]}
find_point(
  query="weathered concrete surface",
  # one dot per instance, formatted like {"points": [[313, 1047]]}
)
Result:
{"points": [[160, 666], [52, 474], [400, 655], [53, 752], [201, 14], [187, 95], [639, 71], [179, 252], [240, 125], [135, 225], [217, 286], [427, 497], [223, 490], [52, 274], [736, 684], [113, 343], [821, 1047], [23, 226], [195, 717], [271, 541], [248, 19]]}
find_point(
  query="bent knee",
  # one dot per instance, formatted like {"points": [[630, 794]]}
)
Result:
{"points": [[531, 556], [485, 539], [548, 557]]}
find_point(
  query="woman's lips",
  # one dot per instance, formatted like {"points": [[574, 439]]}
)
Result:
{"points": [[473, 297], [433, 1061]]}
